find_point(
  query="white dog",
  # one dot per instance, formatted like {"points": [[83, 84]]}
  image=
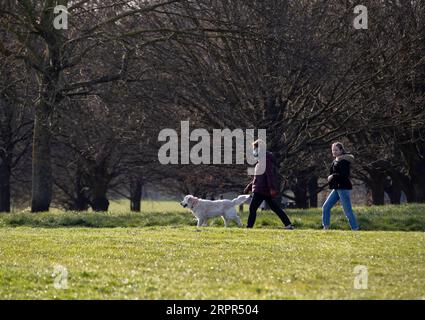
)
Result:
{"points": [[205, 209]]}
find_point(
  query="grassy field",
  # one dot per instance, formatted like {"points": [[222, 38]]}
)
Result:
{"points": [[406, 217], [160, 254]]}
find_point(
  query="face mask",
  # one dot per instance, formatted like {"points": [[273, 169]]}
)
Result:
{"points": [[255, 152]]}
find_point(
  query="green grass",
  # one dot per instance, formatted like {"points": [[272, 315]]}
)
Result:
{"points": [[148, 206], [160, 254], [210, 263], [409, 217]]}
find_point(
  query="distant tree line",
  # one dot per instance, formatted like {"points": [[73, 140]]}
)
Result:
{"points": [[81, 108]]}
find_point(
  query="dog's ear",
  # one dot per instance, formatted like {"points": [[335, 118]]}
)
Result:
{"points": [[192, 199]]}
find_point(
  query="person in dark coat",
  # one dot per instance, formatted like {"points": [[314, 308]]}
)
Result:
{"points": [[340, 184], [263, 188]]}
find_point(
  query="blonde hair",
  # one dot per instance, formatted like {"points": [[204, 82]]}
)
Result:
{"points": [[257, 142], [340, 147]]}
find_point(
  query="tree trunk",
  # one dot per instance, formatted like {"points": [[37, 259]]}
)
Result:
{"points": [[415, 188], [50, 85], [393, 189], [81, 203], [41, 160], [395, 195], [378, 193], [279, 197], [407, 187], [300, 192], [100, 203], [418, 179], [4, 186], [136, 188], [377, 186], [313, 191], [409, 191], [99, 200], [81, 200]]}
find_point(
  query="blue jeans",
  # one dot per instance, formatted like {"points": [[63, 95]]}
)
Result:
{"points": [[334, 196]]}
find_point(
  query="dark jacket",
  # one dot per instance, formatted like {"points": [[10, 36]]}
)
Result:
{"points": [[265, 182], [340, 171]]}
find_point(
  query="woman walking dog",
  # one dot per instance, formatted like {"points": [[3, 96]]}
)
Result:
{"points": [[264, 189], [340, 184]]}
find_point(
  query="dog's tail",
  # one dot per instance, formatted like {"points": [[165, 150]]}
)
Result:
{"points": [[241, 199]]}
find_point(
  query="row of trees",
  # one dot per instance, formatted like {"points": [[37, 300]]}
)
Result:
{"points": [[90, 100]]}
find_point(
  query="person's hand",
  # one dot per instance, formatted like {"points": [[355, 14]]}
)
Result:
{"points": [[273, 193], [247, 189], [330, 178]]}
